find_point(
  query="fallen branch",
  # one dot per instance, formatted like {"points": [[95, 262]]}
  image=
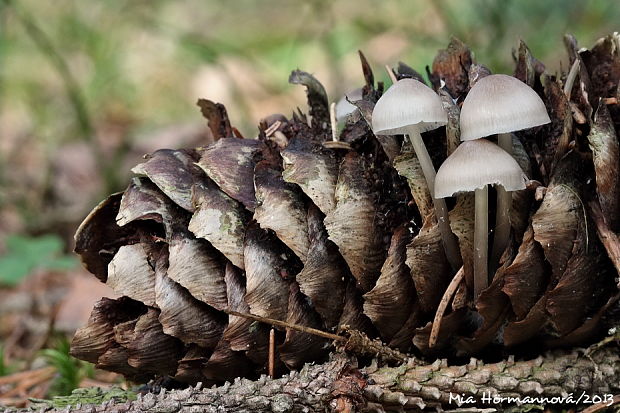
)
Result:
{"points": [[339, 386]]}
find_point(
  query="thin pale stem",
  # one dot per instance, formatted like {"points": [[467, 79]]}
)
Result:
{"points": [[449, 240], [333, 121], [481, 242], [570, 78], [391, 74], [502, 215]]}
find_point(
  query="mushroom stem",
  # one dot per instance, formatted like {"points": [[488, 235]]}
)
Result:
{"points": [[449, 239], [502, 215], [333, 121], [481, 232]]}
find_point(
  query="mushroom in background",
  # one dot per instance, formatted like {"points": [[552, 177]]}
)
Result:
{"points": [[410, 107]]}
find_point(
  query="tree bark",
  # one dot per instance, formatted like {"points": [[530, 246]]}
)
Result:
{"points": [[339, 386]]}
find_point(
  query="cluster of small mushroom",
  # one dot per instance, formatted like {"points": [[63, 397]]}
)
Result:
{"points": [[496, 104]]}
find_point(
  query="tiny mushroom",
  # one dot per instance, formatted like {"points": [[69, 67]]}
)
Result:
{"points": [[410, 107], [501, 104], [471, 167]]}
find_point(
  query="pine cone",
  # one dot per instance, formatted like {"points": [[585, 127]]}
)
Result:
{"points": [[294, 227]]}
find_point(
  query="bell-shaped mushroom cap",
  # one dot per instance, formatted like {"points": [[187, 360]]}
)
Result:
{"points": [[344, 107], [500, 104], [475, 164], [407, 103]]}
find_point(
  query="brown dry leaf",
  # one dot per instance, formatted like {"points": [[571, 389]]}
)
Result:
{"points": [[199, 268], [453, 127], [281, 207], [592, 327], [174, 173], [517, 332], [181, 315], [299, 347], [606, 155], [94, 339], [131, 274], [220, 220], [521, 200], [226, 364], [98, 237], [243, 334], [525, 279], [561, 226], [429, 266], [389, 143], [603, 65], [555, 225], [217, 118], [555, 144], [477, 72], [115, 359], [580, 92], [352, 225], [451, 65], [568, 302], [408, 166], [404, 71], [269, 269], [493, 306], [230, 162], [190, 366], [528, 68], [462, 222], [450, 326], [149, 349], [389, 307], [353, 314], [314, 169], [324, 276], [402, 340], [142, 200], [317, 101]]}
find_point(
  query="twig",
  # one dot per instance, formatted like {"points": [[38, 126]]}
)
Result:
{"points": [[391, 74], [443, 304], [284, 324], [272, 352], [355, 341]]}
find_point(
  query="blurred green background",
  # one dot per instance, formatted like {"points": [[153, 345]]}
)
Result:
{"points": [[86, 87]]}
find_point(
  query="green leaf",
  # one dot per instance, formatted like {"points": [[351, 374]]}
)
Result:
{"points": [[26, 254], [13, 269]]}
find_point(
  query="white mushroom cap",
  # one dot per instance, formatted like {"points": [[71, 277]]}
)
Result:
{"points": [[475, 164], [408, 102], [344, 108], [500, 104]]}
